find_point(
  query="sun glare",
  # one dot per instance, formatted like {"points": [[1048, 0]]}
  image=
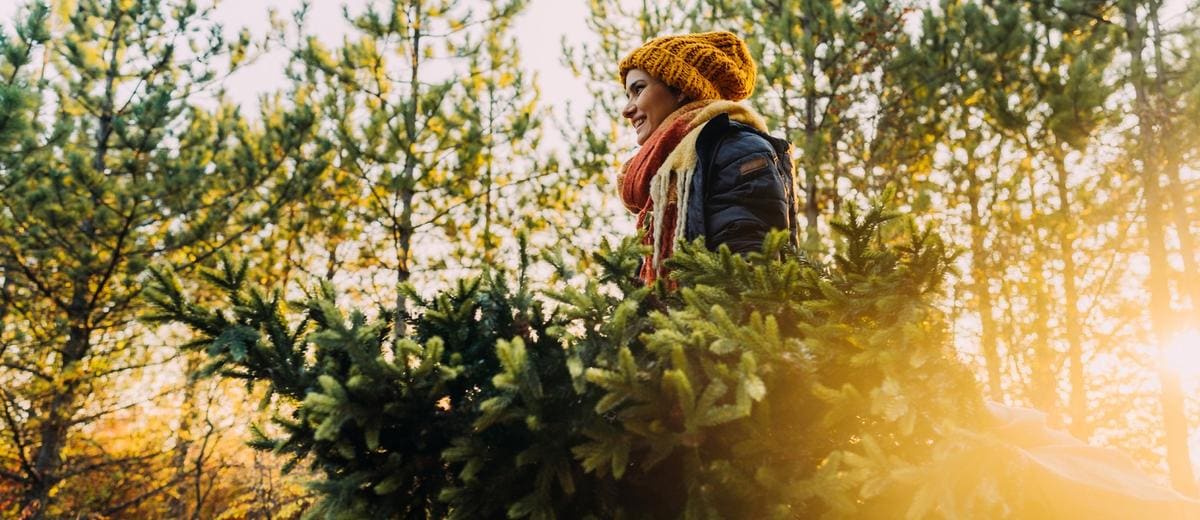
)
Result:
{"points": [[1182, 352]]}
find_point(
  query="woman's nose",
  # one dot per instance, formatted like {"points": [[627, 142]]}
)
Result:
{"points": [[627, 112]]}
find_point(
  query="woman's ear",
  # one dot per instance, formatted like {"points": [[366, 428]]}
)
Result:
{"points": [[680, 96]]}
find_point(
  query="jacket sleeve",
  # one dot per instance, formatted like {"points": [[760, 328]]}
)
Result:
{"points": [[748, 194]]}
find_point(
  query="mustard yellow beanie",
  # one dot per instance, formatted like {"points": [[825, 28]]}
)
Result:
{"points": [[711, 65]]}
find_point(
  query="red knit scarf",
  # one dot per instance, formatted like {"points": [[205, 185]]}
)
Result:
{"points": [[637, 173]]}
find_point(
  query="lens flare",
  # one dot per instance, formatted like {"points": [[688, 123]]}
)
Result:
{"points": [[1182, 352]]}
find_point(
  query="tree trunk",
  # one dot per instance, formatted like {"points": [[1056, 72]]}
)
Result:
{"points": [[1066, 240], [1045, 380], [1175, 188], [980, 284], [404, 231], [1174, 419], [488, 254], [60, 413], [6, 298], [1183, 228], [177, 505], [812, 135], [52, 434]]}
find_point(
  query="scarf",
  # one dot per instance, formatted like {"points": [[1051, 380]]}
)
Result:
{"points": [[656, 182]]}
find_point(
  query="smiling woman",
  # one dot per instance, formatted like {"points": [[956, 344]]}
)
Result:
{"points": [[650, 102], [706, 166]]}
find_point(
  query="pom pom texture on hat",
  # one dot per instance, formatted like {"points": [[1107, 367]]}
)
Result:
{"points": [[711, 65]]}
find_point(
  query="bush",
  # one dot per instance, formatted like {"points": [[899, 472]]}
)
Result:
{"points": [[766, 386]]}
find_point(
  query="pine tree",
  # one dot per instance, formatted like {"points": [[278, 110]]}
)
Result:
{"points": [[828, 85], [108, 163], [1150, 159], [1027, 88], [440, 165], [767, 386], [1037, 100], [601, 141]]}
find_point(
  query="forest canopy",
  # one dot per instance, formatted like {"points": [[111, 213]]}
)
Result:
{"points": [[398, 281]]}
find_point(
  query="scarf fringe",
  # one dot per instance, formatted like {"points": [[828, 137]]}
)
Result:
{"points": [[674, 177]]}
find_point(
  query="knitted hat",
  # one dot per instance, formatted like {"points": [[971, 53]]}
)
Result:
{"points": [[711, 65]]}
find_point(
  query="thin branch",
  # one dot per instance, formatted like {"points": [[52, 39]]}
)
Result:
{"points": [[447, 210], [14, 431]]}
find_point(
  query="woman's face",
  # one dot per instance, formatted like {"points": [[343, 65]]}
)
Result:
{"points": [[650, 101]]}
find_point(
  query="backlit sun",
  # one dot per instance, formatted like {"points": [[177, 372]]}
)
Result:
{"points": [[1182, 352]]}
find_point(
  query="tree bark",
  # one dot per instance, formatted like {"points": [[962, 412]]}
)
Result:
{"points": [[1044, 377], [177, 505], [811, 133], [980, 267], [52, 435], [1175, 188], [1077, 402], [1171, 399], [404, 233], [60, 413]]}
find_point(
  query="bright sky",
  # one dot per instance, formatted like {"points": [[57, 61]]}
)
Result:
{"points": [[539, 32]]}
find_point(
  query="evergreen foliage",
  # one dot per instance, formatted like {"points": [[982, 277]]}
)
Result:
{"points": [[111, 160], [768, 386], [1056, 142], [439, 163]]}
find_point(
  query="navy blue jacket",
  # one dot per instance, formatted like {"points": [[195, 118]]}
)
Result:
{"points": [[742, 187]]}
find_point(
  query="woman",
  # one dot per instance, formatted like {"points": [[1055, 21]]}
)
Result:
{"points": [[706, 166]]}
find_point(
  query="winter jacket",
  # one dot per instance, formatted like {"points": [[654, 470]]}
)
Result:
{"points": [[741, 189]]}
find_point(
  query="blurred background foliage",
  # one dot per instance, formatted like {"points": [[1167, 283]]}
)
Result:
{"points": [[1055, 145]]}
